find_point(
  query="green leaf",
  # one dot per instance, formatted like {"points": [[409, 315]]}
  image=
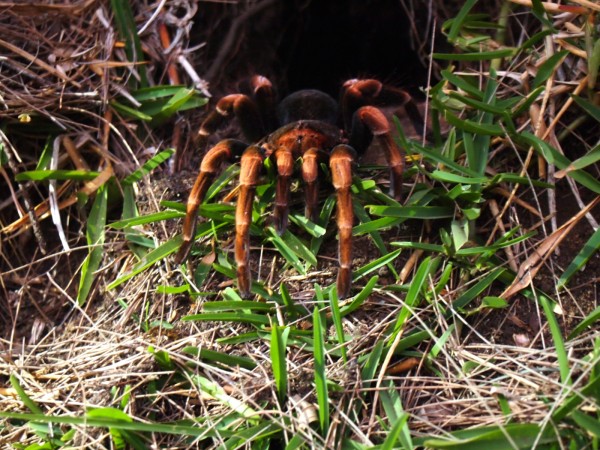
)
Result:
{"points": [[413, 212], [489, 129], [588, 321], [148, 166], [168, 428], [457, 22], [226, 359], [149, 259], [375, 265], [239, 305], [552, 156], [587, 251], [497, 437], [462, 84], [361, 297], [43, 175], [143, 220], [95, 240], [494, 302], [459, 233], [283, 245], [218, 393], [237, 316], [557, 337], [588, 423], [279, 337], [337, 322], [396, 433], [477, 289], [27, 401], [127, 29], [587, 106], [130, 112], [320, 372], [547, 68], [477, 56]]}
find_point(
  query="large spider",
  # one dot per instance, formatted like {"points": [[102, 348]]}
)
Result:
{"points": [[303, 126]]}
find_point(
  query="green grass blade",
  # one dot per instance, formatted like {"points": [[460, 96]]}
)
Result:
{"points": [[413, 297], [576, 399], [148, 166], [239, 305], [237, 316], [397, 431], [360, 297], [588, 423], [143, 220], [290, 248], [547, 68], [224, 359], [588, 107], [127, 29], [43, 175], [218, 393], [375, 265], [337, 322], [279, 337], [552, 156], [477, 56], [498, 437], [27, 401], [587, 251], [149, 259], [320, 372], [474, 291], [559, 343], [103, 422], [413, 212], [95, 240], [588, 321], [457, 22]]}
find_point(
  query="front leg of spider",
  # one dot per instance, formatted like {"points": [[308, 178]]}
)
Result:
{"points": [[340, 163], [251, 167], [225, 151], [368, 123]]}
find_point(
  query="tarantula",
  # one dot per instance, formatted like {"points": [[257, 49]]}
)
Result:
{"points": [[303, 126]]}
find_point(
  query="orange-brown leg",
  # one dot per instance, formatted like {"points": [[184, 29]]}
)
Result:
{"points": [[264, 95], [284, 160], [209, 167], [340, 162], [369, 121], [251, 166], [357, 93], [310, 174], [243, 108]]}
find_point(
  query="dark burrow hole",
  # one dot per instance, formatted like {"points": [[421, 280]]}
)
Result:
{"points": [[308, 44]]}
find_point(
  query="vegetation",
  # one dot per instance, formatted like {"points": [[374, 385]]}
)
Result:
{"points": [[464, 329]]}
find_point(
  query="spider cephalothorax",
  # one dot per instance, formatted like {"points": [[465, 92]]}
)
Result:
{"points": [[303, 125]]}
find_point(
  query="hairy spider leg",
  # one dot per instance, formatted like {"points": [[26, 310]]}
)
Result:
{"points": [[284, 160], [251, 166], [225, 151], [369, 122], [357, 93], [310, 175], [341, 161], [235, 105], [264, 95], [255, 113]]}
